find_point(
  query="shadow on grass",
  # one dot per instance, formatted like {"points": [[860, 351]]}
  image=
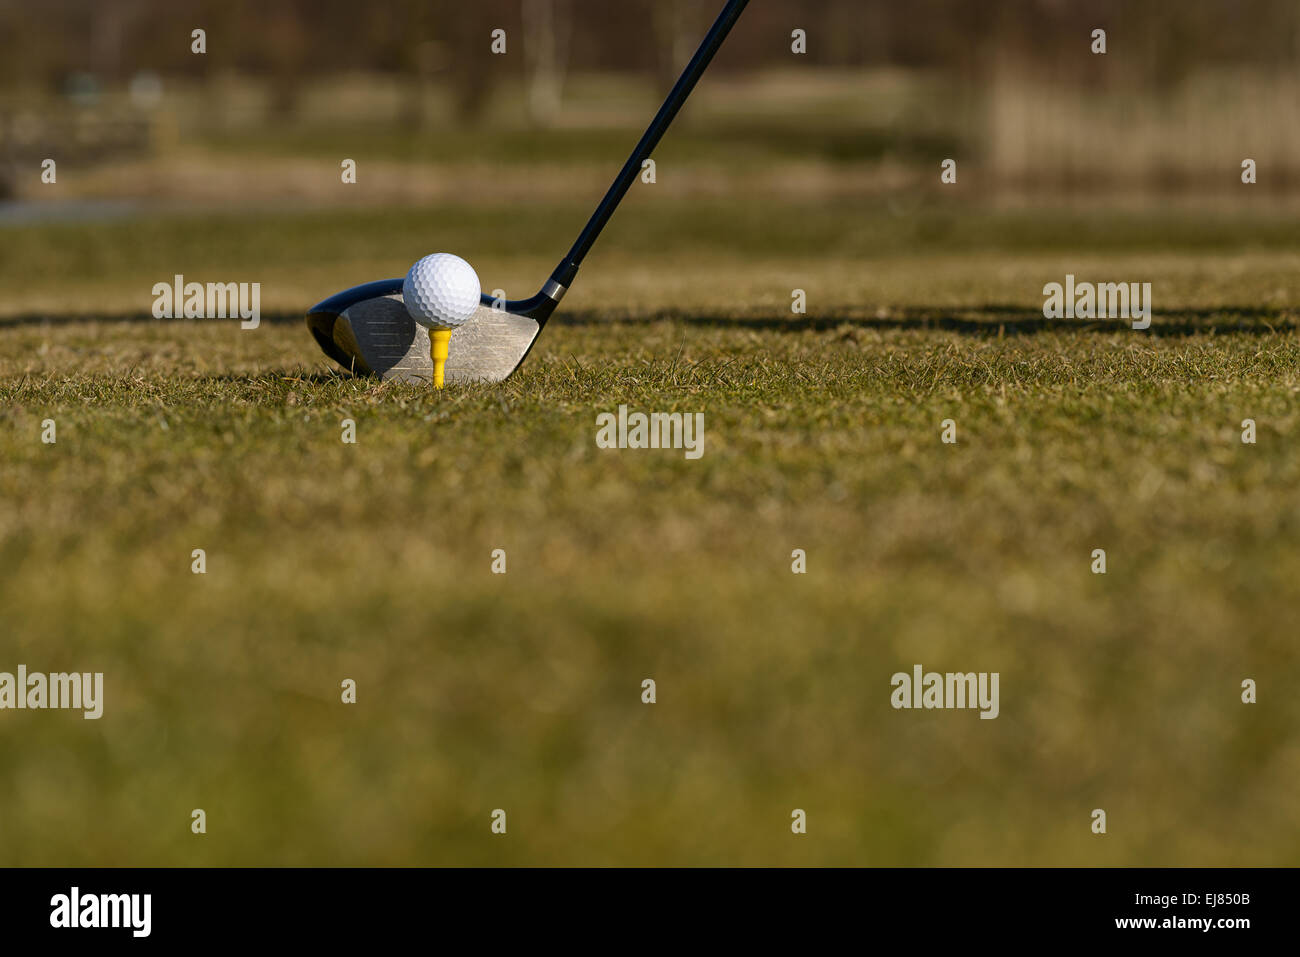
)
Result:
{"points": [[988, 320]]}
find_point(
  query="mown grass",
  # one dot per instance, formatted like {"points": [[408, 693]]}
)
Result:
{"points": [[719, 256], [477, 691]]}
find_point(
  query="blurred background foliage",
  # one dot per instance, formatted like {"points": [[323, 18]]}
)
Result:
{"points": [[1010, 88]]}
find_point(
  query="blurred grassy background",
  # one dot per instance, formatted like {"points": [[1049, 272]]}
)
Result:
{"points": [[328, 561]]}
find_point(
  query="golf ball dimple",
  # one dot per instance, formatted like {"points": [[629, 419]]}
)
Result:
{"points": [[441, 290]]}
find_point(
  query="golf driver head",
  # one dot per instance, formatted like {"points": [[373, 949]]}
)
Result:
{"points": [[368, 331]]}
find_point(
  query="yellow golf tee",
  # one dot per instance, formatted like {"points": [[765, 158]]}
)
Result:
{"points": [[438, 343]]}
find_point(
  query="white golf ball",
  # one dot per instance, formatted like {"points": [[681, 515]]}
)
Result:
{"points": [[441, 290]]}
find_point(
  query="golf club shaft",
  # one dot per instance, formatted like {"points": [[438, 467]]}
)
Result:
{"points": [[565, 272]]}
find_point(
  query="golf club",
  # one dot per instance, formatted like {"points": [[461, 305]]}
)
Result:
{"points": [[367, 329]]}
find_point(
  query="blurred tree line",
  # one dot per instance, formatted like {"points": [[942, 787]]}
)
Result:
{"points": [[1181, 81], [286, 42]]}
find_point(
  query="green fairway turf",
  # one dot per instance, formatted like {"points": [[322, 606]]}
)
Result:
{"points": [[372, 561]]}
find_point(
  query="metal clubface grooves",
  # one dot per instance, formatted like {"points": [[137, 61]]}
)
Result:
{"points": [[378, 336]]}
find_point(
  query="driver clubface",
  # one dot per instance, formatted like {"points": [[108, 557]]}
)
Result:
{"points": [[368, 331]]}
